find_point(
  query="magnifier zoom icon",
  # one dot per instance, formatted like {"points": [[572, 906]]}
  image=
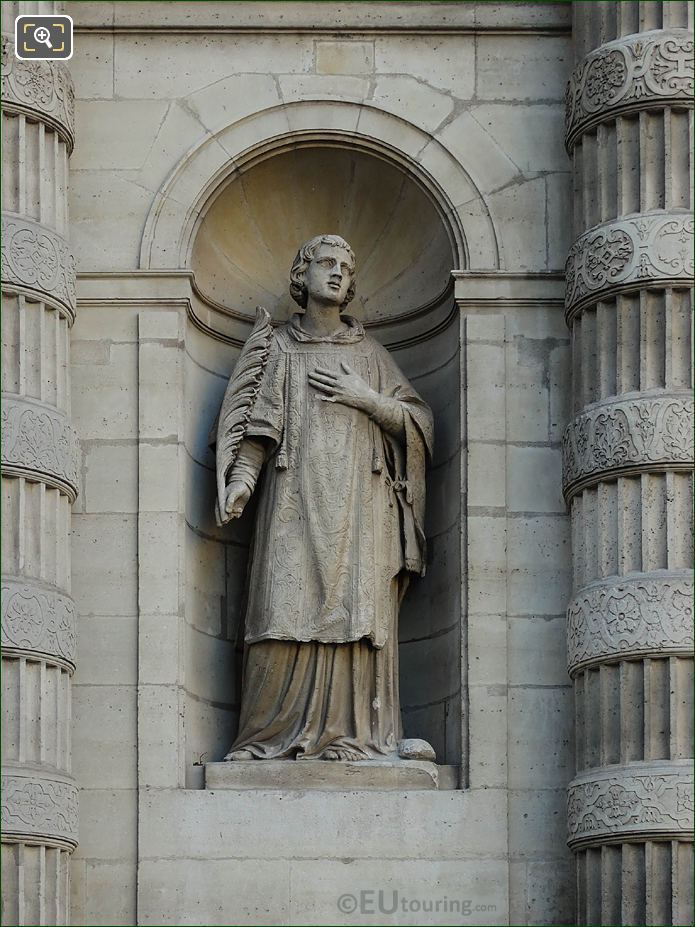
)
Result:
{"points": [[42, 34]]}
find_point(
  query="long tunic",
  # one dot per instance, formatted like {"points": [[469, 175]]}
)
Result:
{"points": [[341, 503]]}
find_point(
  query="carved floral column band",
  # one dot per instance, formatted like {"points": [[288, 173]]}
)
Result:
{"points": [[40, 89], [616, 257], [636, 433], [635, 800], [37, 261], [38, 619], [639, 615], [40, 475], [40, 807], [38, 443], [630, 74], [627, 462]]}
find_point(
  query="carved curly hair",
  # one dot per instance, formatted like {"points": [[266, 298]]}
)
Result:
{"points": [[305, 256]]}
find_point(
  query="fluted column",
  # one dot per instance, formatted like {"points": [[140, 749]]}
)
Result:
{"points": [[39, 483], [628, 456]]}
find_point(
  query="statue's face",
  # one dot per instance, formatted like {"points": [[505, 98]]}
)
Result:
{"points": [[329, 275]]}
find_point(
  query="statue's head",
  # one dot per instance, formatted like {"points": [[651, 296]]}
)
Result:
{"points": [[325, 270]]}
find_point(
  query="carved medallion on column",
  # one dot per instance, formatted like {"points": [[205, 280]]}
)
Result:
{"points": [[636, 72], [39, 262], [38, 443], [637, 432], [630, 617], [38, 619], [35, 805], [40, 89], [650, 248], [641, 800]]}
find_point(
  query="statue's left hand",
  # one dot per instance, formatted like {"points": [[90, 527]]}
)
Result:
{"points": [[347, 388], [237, 495]]}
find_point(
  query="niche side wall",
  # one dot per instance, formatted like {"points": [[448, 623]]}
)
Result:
{"points": [[431, 621], [216, 560]]}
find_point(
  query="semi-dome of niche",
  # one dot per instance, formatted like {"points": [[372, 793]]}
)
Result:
{"points": [[247, 240]]}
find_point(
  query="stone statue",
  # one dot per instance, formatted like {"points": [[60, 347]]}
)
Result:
{"points": [[318, 416]]}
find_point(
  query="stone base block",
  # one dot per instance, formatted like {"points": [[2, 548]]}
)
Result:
{"points": [[303, 856], [323, 775]]}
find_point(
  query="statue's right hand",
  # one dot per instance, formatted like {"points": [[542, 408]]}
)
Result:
{"points": [[237, 495]]}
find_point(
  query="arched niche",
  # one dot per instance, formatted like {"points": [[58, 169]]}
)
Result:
{"points": [[249, 236], [184, 198], [239, 243]]}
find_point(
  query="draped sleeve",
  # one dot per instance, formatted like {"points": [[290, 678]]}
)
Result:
{"points": [[263, 418]]}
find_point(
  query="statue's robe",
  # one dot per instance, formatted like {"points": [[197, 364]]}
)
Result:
{"points": [[339, 526]]}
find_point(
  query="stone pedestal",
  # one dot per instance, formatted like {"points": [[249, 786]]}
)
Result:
{"points": [[39, 483], [627, 461], [329, 776], [309, 856]]}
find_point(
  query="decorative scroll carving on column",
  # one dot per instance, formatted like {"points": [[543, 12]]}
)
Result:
{"points": [[41, 89], [38, 443], [40, 467], [630, 74], [629, 617], [38, 619], [652, 800], [39, 262], [646, 248], [628, 459], [635, 433], [37, 806]]}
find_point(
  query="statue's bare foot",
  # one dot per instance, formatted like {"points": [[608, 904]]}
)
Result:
{"points": [[237, 755], [413, 748], [342, 754]]}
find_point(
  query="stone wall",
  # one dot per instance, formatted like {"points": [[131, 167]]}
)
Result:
{"points": [[464, 101]]}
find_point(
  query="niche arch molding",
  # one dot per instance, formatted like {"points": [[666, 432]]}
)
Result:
{"points": [[180, 207]]}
